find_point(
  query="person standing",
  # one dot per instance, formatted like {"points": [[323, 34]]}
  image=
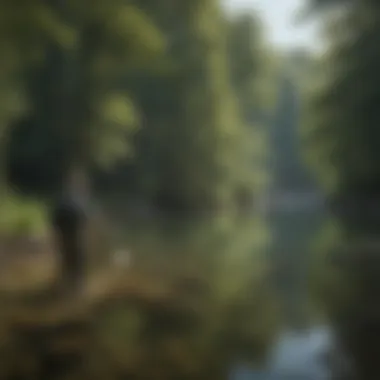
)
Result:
{"points": [[70, 215]]}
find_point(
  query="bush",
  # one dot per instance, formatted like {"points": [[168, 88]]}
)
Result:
{"points": [[22, 217]]}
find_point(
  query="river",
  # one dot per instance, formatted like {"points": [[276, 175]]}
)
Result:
{"points": [[231, 251], [297, 355]]}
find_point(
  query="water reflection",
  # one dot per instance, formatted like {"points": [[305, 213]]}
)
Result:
{"points": [[235, 257], [295, 355], [302, 354], [229, 257]]}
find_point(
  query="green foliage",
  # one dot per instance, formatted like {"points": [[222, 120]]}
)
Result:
{"points": [[124, 39], [251, 73], [341, 135], [26, 29], [21, 217], [251, 66], [192, 149], [119, 330], [342, 119], [79, 113], [116, 121], [326, 279], [186, 144]]}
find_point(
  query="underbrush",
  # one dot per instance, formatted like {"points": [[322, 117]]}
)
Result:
{"points": [[22, 217]]}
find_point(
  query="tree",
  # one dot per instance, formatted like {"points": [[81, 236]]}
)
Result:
{"points": [[251, 72], [80, 113], [26, 29], [187, 153], [342, 127], [342, 139]]}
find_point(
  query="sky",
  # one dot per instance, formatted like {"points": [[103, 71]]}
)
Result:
{"points": [[278, 15]]}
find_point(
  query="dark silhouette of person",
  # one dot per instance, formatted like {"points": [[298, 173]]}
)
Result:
{"points": [[69, 218]]}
